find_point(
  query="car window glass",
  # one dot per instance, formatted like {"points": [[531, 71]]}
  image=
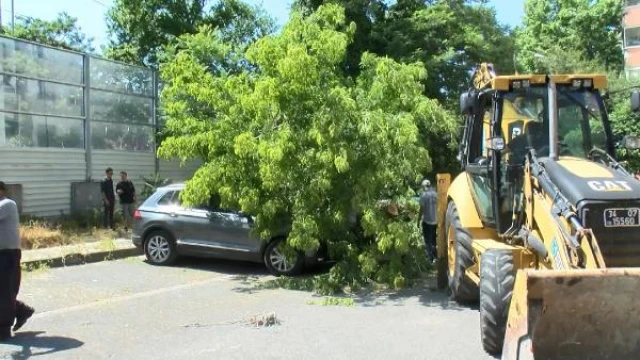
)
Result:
{"points": [[170, 198], [203, 207], [214, 203], [166, 198]]}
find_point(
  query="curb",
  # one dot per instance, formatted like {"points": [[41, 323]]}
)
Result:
{"points": [[77, 258]]}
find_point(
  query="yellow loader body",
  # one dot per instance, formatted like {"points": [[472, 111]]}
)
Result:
{"points": [[542, 227]]}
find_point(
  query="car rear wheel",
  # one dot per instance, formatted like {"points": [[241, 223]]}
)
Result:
{"points": [[160, 248], [281, 259]]}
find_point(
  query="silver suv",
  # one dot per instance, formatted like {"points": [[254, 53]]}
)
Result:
{"points": [[165, 229]]}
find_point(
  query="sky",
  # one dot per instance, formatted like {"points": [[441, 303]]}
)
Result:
{"points": [[91, 13]]}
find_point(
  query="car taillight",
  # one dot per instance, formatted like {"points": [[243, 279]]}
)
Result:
{"points": [[137, 214]]}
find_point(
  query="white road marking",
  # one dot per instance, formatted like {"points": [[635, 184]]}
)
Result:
{"points": [[129, 297]]}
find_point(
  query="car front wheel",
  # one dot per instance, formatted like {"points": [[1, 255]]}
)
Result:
{"points": [[282, 259], [160, 248]]}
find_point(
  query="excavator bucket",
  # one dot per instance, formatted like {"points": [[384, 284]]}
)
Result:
{"points": [[574, 314]]}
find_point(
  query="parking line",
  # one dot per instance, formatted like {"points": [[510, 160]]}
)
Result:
{"points": [[130, 297]]}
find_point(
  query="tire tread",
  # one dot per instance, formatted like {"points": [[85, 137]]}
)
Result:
{"points": [[497, 278], [462, 289]]}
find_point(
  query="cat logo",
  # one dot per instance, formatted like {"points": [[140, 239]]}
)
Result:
{"points": [[609, 185], [555, 251]]}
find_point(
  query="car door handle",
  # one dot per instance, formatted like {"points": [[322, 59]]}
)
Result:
{"points": [[173, 214]]}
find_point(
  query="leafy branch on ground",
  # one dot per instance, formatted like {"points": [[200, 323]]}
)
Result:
{"points": [[333, 301]]}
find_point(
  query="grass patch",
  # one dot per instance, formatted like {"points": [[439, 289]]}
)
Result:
{"points": [[107, 244], [39, 233], [36, 234], [333, 301]]}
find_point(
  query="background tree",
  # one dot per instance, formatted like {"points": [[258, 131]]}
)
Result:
{"points": [[366, 15], [449, 37], [291, 139], [140, 28], [63, 32], [589, 30], [563, 36]]}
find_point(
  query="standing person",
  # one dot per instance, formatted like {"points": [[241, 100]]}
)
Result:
{"points": [[127, 193], [428, 218], [108, 199], [10, 308]]}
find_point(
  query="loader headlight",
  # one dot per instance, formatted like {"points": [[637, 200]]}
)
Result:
{"points": [[582, 83], [519, 84]]}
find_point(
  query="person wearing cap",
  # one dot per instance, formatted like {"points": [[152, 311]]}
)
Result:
{"points": [[427, 218], [13, 313]]}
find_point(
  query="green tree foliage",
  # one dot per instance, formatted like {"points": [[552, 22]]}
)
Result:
{"points": [[140, 28], [623, 121], [63, 32], [589, 30], [582, 37], [449, 36], [366, 15], [292, 140]]}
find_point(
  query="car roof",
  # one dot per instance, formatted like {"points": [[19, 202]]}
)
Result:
{"points": [[178, 186]]}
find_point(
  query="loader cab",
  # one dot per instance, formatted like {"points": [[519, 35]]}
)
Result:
{"points": [[505, 123]]}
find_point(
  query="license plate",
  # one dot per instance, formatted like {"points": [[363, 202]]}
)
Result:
{"points": [[626, 217]]}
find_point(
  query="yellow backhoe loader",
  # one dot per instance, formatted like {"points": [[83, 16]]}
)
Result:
{"points": [[542, 227]]}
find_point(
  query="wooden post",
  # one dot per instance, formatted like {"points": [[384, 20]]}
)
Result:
{"points": [[442, 188]]}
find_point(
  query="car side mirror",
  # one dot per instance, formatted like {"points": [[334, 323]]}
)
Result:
{"points": [[631, 142], [635, 101]]}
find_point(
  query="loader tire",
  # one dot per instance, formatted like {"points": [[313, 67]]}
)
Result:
{"points": [[497, 277], [462, 289]]}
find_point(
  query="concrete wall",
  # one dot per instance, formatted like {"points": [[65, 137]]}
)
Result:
{"points": [[171, 169], [46, 176], [136, 164], [631, 20]]}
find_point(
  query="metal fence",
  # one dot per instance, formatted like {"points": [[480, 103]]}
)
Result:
{"points": [[52, 98]]}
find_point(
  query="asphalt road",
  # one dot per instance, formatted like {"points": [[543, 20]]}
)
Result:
{"points": [[200, 309]]}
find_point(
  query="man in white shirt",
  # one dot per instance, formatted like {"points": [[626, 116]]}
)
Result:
{"points": [[13, 313], [428, 218]]}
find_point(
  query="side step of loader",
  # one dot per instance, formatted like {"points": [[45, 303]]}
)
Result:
{"points": [[574, 314]]}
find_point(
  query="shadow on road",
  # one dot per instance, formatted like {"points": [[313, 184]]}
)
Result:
{"points": [[34, 344], [253, 277], [227, 267]]}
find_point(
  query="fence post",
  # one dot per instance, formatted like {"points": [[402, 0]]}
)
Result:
{"points": [[86, 62], [156, 128]]}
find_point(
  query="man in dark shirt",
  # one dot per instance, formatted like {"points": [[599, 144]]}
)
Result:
{"points": [[127, 193], [108, 199]]}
